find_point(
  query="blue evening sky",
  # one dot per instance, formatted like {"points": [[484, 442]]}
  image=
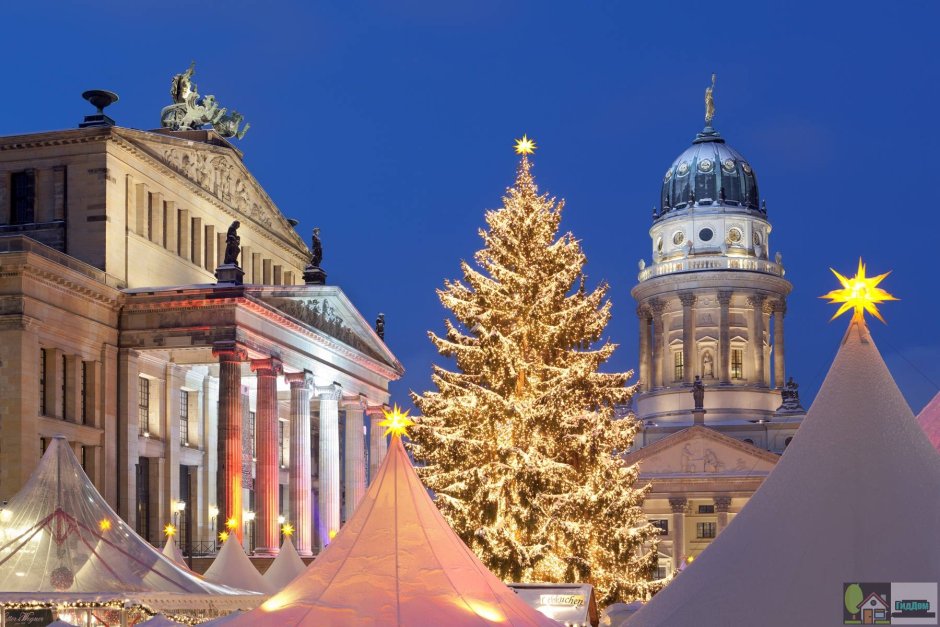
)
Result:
{"points": [[390, 125]]}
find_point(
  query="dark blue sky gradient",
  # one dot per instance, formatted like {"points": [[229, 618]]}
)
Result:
{"points": [[390, 125]]}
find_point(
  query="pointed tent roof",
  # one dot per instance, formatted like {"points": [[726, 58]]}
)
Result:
{"points": [[60, 539], [396, 562], [286, 566], [852, 499], [231, 567], [172, 551], [929, 419]]}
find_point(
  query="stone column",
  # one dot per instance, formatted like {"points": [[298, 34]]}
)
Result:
{"points": [[128, 430], [354, 457], [724, 340], [659, 368], [19, 402], [722, 505], [300, 513], [780, 372], [229, 482], [329, 462], [378, 445], [756, 303], [679, 505], [688, 337], [643, 314], [267, 469]]}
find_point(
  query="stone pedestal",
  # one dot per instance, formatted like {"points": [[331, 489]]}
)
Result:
{"points": [[301, 508], [314, 275], [229, 483], [698, 416], [229, 273], [267, 470]]}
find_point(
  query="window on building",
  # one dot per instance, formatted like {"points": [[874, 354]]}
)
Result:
{"points": [[150, 216], [704, 530], [23, 198], [282, 453], [184, 417], [251, 433], [84, 415], [706, 509], [65, 369], [143, 405], [42, 382], [143, 498], [737, 363], [661, 571], [662, 524], [679, 363]]}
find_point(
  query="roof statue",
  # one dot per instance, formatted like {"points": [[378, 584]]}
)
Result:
{"points": [[316, 248], [790, 395], [395, 562], [858, 474], [380, 326], [232, 244], [698, 392], [190, 112], [710, 103]]}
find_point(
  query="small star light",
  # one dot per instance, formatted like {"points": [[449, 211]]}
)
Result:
{"points": [[860, 293], [104, 524], [231, 523], [396, 422], [169, 530], [525, 146], [223, 536], [287, 529]]}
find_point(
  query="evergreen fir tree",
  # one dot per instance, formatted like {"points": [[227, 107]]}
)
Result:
{"points": [[520, 443]]}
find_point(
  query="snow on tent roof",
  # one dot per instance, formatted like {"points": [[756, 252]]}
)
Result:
{"points": [[853, 499], [929, 419], [59, 539], [231, 567], [286, 566], [395, 562]]}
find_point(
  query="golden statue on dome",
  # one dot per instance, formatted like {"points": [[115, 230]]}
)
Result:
{"points": [[710, 103]]}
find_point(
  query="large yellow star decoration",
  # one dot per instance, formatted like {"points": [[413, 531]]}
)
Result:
{"points": [[169, 530], [231, 523], [287, 529], [860, 293], [223, 536], [396, 422], [525, 146]]}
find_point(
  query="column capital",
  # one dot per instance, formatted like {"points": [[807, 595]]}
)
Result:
{"points": [[353, 402], [229, 351], [724, 297], [687, 299], [722, 503], [643, 312], [270, 366], [756, 300], [375, 411], [657, 306], [299, 379], [679, 505], [780, 306], [332, 392]]}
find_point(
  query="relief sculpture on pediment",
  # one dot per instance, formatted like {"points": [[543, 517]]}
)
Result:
{"points": [[322, 316]]}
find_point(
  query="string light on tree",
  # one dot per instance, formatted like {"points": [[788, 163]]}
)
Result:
{"points": [[860, 293]]}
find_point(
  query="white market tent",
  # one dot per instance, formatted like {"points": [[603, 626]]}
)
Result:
{"points": [[231, 567], [396, 562], [172, 552], [60, 542], [853, 499], [286, 567], [929, 419]]}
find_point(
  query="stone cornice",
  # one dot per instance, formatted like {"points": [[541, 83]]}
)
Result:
{"points": [[56, 138], [58, 277], [699, 431]]}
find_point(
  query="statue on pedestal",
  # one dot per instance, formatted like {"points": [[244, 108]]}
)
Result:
{"points": [[791, 397], [313, 274], [380, 326], [190, 112], [232, 244], [698, 393]]}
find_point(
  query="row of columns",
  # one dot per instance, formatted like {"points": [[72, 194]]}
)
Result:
{"points": [[681, 507], [302, 388], [654, 339]]}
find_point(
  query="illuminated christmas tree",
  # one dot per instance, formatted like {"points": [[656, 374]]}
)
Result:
{"points": [[520, 443]]}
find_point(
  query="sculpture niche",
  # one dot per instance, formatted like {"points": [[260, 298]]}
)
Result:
{"points": [[190, 112]]}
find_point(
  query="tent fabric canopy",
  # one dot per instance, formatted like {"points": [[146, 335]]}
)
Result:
{"points": [[231, 567], [853, 499], [172, 552], [286, 567], [929, 419], [395, 562], [60, 540]]}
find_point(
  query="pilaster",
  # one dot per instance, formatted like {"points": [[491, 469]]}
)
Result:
{"points": [[724, 340], [688, 337]]}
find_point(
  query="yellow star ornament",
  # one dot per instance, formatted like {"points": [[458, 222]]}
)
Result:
{"points": [[287, 529], [525, 146], [396, 423], [860, 293], [169, 530], [223, 536]]}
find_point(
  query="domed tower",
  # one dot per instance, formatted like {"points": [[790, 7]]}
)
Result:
{"points": [[712, 303]]}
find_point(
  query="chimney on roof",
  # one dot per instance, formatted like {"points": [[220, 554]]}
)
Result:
{"points": [[100, 99]]}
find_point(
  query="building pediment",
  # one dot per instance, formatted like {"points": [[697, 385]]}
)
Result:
{"points": [[329, 311], [218, 171], [701, 451]]}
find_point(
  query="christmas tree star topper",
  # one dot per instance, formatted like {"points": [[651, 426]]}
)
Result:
{"points": [[396, 422], [525, 146], [169, 530], [860, 293]]}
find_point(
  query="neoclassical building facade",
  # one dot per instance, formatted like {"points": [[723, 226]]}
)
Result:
{"points": [[711, 309], [188, 399]]}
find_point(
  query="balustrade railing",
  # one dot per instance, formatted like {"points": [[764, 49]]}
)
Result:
{"points": [[690, 264]]}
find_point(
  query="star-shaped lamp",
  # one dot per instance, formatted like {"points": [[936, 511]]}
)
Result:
{"points": [[223, 536], [396, 422], [169, 530], [287, 529], [104, 524], [525, 146], [860, 293], [231, 523]]}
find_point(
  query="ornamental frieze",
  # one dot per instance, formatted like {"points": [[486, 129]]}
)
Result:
{"points": [[320, 315]]}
